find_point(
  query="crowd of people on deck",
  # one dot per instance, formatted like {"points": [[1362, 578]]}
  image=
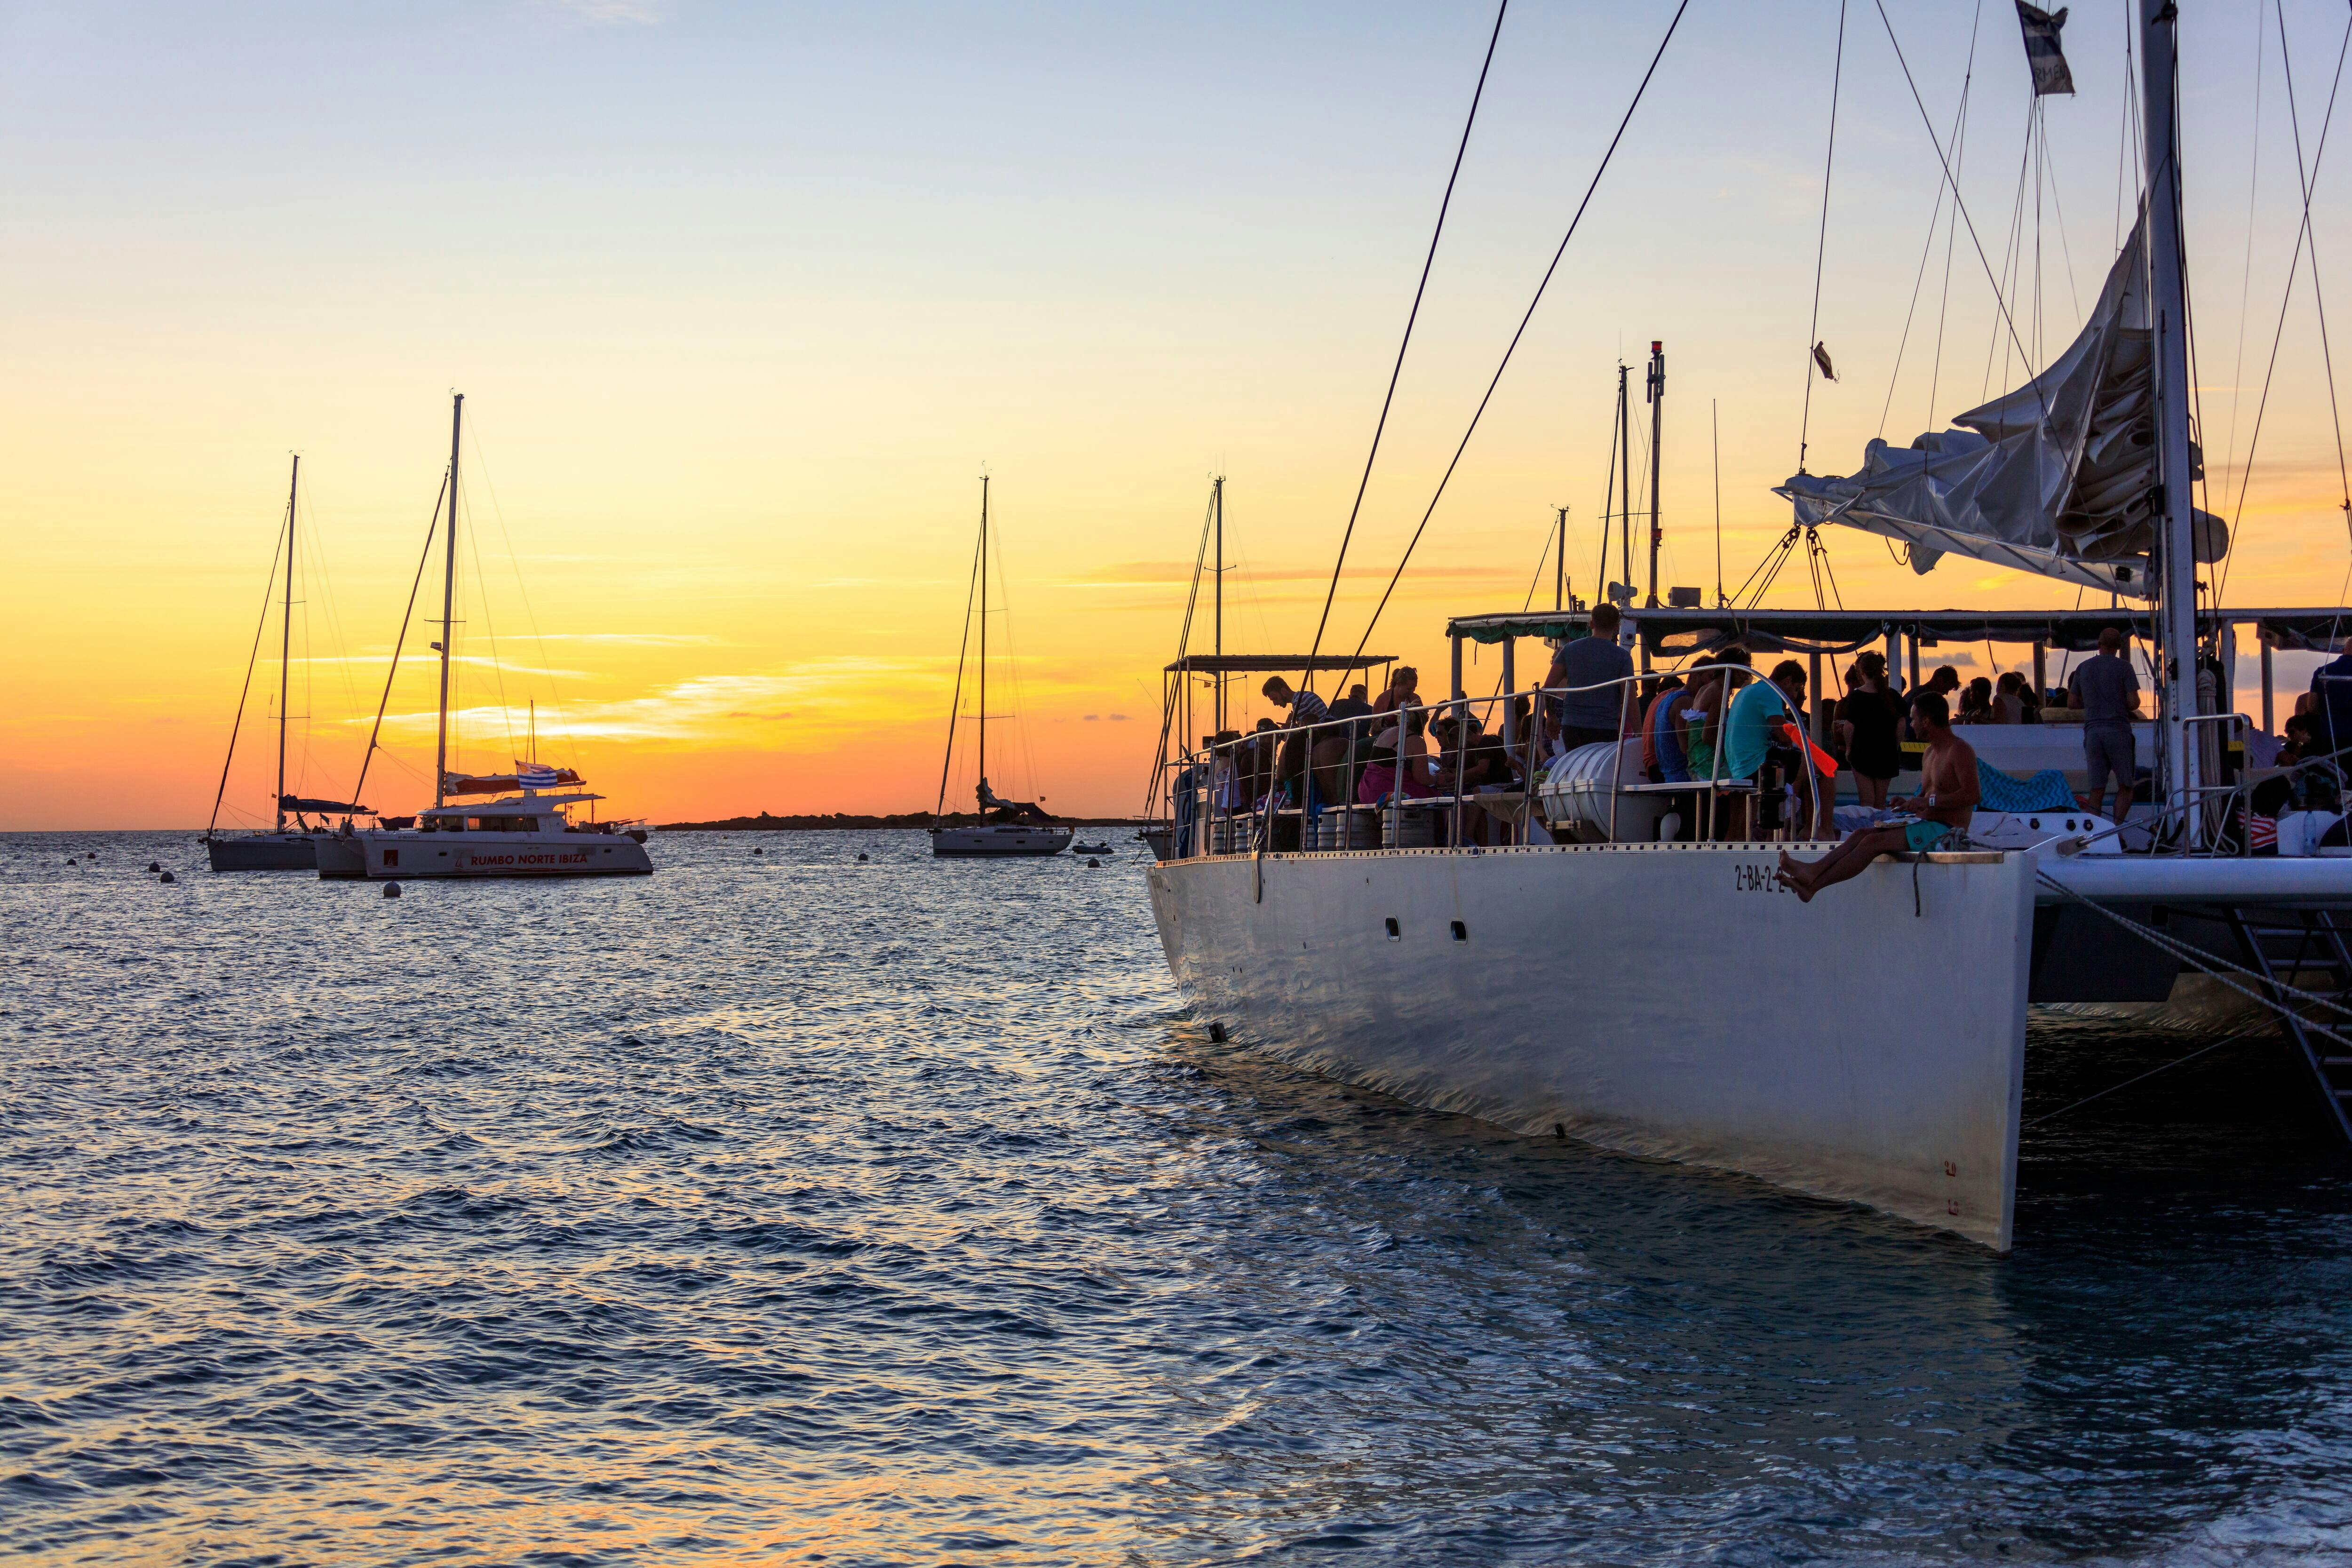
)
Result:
{"points": [[1714, 722]]}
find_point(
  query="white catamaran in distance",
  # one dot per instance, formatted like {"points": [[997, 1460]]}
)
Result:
{"points": [[1006, 826], [526, 831], [280, 848], [1604, 966]]}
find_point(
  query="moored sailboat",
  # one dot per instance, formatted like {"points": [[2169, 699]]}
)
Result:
{"points": [[1006, 828], [279, 848], [526, 830]]}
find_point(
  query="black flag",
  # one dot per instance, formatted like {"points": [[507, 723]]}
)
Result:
{"points": [[2041, 50], [1822, 358]]}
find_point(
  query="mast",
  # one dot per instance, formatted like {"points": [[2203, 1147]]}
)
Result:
{"points": [[1657, 395], [286, 638], [448, 593], [1626, 501], [1217, 499], [1560, 566], [2168, 318], [983, 767]]}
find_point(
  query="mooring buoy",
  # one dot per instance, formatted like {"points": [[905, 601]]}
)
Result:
{"points": [[861, 857], [155, 865], [1094, 865], [759, 852], [165, 877], [392, 889]]}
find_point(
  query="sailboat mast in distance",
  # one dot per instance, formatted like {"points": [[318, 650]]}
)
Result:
{"points": [[286, 636], [448, 592], [981, 766], [1219, 497]]}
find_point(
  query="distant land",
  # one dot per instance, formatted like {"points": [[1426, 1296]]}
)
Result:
{"points": [[768, 823]]}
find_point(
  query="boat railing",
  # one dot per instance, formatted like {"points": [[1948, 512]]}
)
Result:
{"points": [[1218, 770], [1215, 794]]}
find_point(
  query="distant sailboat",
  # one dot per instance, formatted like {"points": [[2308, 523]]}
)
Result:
{"points": [[280, 848], [1006, 826], [523, 834]]}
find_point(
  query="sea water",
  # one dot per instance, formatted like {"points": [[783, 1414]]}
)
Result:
{"points": [[791, 1208]]}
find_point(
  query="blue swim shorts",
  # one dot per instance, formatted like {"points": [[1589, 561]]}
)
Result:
{"points": [[1921, 836]]}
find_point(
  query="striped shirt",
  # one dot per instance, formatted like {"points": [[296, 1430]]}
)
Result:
{"points": [[1306, 707]]}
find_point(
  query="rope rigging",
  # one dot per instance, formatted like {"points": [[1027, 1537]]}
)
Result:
{"points": [[1821, 245], [2307, 179], [1308, 679], [1606, 158]]}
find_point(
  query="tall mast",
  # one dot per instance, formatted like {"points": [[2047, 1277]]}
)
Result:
{"points": [[2168, 318], [1657, 431], [286, 638], [1217, 499], [1560, 565], [983, 635], [1625, 502], [448, 596]]}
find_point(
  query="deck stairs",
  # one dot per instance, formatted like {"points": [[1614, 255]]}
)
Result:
{"points": [[2305, 949]]}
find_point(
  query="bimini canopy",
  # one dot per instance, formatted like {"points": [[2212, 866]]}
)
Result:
{"points": [[2057, 477], [1676, 633], [321, 807], [1273, 663]]}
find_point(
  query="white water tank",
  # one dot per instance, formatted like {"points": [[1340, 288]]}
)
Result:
{"points": [[1578, 789]]}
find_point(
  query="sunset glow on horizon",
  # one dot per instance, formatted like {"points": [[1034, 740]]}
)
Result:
{"points": [[743, 303]]}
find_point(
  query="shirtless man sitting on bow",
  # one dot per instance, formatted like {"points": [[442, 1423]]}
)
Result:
{"points": [[1948, 797]]}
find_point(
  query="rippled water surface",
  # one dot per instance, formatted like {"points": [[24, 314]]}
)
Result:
{"points": [[786, 1207]]}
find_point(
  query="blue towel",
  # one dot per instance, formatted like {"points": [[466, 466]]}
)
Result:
{"points": [[2045, 791]]}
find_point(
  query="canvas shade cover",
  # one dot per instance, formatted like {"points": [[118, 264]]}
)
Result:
{"points": [[2057, 477]]}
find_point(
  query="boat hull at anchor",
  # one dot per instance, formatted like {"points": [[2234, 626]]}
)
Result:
{"points": [[402, 857], [264, 852], [950, 843], [1667, 1001]]}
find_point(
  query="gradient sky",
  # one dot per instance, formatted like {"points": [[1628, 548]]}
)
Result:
{"points": [[744, 298]]}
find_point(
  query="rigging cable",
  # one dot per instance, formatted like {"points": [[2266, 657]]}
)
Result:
{"points": [[1308, 679], [1959, 206], [1927, 248], [1512, 348], [401, 641], [1951, 232], [2286, 297], [1821, 245], [260, 626], [2246, 273], [955, 704], [2318, 299]]}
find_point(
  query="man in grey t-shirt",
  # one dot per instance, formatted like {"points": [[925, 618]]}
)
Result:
{"points": [[2106, 693], [1593, 715]]}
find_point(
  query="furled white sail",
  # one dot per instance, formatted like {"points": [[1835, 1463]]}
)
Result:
{"points": [[2057, 477]]}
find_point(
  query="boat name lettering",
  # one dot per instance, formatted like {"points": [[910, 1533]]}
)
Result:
{"points": [[578, 857]]}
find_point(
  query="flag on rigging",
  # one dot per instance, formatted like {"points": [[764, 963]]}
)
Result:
{"points": [[535, 775], [1822, 358], [2041, 50]]}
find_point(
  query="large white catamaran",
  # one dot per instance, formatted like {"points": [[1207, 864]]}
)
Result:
{"points": [[1658, 992], [526, 831]]}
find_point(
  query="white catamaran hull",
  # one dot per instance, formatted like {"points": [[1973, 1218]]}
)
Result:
{"points": [[1667, 1001], [400, 856]]}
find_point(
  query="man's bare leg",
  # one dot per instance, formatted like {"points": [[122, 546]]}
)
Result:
{"points": [[1841, 864]]}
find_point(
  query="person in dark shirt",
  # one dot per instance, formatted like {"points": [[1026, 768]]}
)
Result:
{"points": [[1352, 706], [2331, 703], [1599, 712], [2106, 693]]}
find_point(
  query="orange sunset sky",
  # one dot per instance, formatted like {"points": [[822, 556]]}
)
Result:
{"points": [[745, 299]]}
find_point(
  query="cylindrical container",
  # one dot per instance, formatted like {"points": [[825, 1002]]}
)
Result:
{"points": [[1407, 827]]}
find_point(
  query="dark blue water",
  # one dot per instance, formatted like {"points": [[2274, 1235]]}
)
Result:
{"points": [[789, 1208]]}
